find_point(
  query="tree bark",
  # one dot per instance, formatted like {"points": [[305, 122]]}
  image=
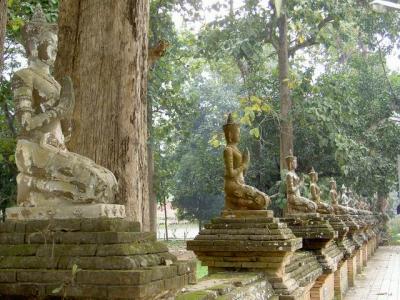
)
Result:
{"points": [[103, 46], [3, 24], [286, 126]]}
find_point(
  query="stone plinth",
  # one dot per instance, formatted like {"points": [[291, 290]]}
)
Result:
{"points": [[347, 244], [341, 282], [112, 259], [318, 235], [69, 212], [352, 270], [248, 241], [230, 285], [323, 288]]}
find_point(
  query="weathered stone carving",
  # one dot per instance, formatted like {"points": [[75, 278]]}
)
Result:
{"points": [[48, 173], [238, 195], [339, 209], [322, 207], [295, 202]]}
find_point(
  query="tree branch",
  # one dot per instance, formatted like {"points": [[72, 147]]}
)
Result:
{"points": [[311, 41]]}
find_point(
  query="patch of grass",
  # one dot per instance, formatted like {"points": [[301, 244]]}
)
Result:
{"points": [[201, 271], [394, 229]]}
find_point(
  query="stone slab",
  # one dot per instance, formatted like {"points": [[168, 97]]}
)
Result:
{"points": [[233, 214], [88, 211]]}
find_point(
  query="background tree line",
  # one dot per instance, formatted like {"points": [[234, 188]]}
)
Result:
{"points": [[307, 75]]}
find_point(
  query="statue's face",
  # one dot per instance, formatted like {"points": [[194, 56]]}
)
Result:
{"points": [[294, 163], [234, 135], [47, 48]]}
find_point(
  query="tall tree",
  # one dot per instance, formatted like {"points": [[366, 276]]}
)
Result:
{"points": [[3, 23], [103, 46]]}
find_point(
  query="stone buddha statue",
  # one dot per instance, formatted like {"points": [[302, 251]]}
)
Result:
{"points": [[238, 195], [322, 208], [48, 173], [295, 202], [344, 199], [338, 209]]}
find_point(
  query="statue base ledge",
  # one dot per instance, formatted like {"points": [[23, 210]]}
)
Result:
{"points": [[302, 215], [82, 211], [247, 213]]}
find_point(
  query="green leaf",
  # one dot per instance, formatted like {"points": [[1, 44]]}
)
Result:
{"points": [[10, 3], [255, 132]]}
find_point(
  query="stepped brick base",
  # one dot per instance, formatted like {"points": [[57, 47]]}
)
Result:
{"points": [[323, 288], [341, 280], [352, 270], [99, 258]]}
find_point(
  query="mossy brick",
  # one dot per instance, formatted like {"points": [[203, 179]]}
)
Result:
{"points": [[131, 249], [61, 238], [8, 276], [28, 290], [58, 250], [8, 226], [100, 224], [184, 267], [145, 291], [111, 237], [27, 262], [197, 295], [111, 277], [162, 272], [37, 225], [18, 250], [12, 238], [85, 292], [44, 276], [176, 282], [99, 263], [53, 225]]}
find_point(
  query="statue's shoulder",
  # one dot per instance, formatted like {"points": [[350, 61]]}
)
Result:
{"points": [[22, 77]]}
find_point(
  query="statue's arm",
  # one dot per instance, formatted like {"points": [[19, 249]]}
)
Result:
{"points": [[228, 160], [314, 194], [22, 84], [289, 184]]}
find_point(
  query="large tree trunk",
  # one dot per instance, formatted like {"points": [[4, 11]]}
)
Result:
{"points": [[103, 47], [3, 24], [286, 126]]}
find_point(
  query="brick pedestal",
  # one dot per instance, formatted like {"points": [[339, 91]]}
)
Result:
{"points": [[352, 270], [323, 288], [341, 280], [364, 251], [112, 259], [359, 258]]}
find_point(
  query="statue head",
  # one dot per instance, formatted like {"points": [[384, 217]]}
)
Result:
{"points": [[313, 175], [291, 161], [40, 38], [333, 184], [231, 130]]}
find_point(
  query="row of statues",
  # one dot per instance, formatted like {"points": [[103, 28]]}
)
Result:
{"points": [[239, 196]]}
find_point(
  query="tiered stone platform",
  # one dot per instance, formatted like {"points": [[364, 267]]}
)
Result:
{"points": [[93, 258], [256, 241], [318, 235]]}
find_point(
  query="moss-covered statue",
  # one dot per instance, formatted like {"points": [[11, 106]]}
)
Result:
{"points": [[295, 202], [322, 208], [48, 173], [238, 195]]}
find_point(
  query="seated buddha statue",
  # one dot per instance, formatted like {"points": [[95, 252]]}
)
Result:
{"points": [[295, 202], [238, 195], [338, 209], [322, 208]]}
